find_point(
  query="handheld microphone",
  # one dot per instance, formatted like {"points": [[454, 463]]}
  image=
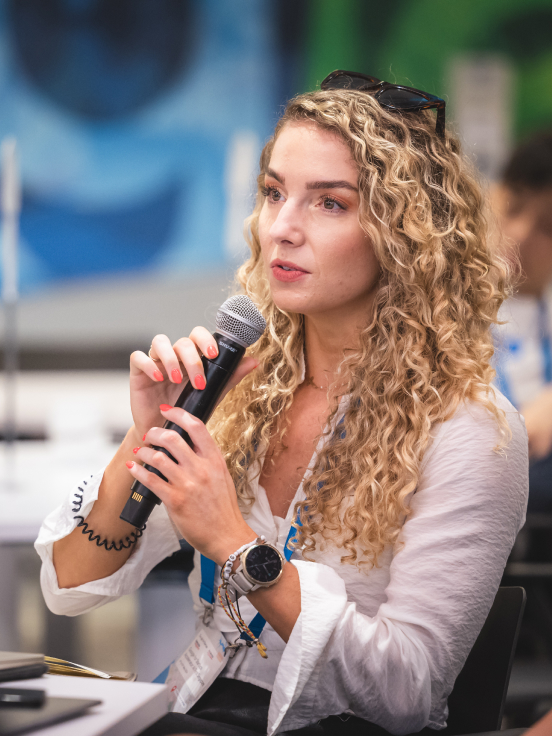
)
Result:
{"points": [[239, 324]]}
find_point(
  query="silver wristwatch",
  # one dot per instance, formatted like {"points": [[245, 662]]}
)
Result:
{"points": [[261, 565]]}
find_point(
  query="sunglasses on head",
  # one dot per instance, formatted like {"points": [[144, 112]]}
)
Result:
{"points": [[394, 97]]}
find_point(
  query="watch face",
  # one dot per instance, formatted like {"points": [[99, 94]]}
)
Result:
{"points": [[263, 564]]}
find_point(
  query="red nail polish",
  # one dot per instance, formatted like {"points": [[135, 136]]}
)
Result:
{"points": [[144, 438], [135, 450], [165, 407], [199, 382], [158, 375], [129, 464], [176, 376], [212, 352]]}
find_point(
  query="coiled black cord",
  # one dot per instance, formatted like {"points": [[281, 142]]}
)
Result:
{"points": [[78, 502], [127, 544]]}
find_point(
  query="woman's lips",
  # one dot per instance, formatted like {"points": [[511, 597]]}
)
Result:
{"points": [[287, 273]]}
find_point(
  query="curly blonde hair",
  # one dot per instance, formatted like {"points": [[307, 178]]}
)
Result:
{"points": [[426, 346]]}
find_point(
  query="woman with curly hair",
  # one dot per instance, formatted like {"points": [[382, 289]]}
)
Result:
{"points": [[364, 419]]}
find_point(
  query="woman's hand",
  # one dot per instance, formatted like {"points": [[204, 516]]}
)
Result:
{"points": [[159, 379], [199, 493]]}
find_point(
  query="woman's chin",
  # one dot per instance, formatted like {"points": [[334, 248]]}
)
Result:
{"points": [[287, 303]]}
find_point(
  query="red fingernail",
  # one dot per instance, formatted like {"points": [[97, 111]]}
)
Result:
{"points": [[212, 352], [129, 464], [176, 376], [158, 375], [135, 450], [144, 438], [199, 382], [165, 407]]}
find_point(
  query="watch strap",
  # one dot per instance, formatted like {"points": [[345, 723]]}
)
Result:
{"points": [[240, 584]]}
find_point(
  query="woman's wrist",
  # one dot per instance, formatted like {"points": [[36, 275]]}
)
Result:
{"points": [[229, 545], [134, 438]]}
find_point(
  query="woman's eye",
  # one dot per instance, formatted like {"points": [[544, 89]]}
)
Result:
{"points": [[272, 194], [331, 204]]}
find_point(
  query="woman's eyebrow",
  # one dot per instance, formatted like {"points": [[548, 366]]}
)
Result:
{"points": [[274, 175], [338, 184]]}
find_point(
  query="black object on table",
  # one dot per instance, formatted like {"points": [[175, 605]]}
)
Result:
{"points": [[20, 719]]}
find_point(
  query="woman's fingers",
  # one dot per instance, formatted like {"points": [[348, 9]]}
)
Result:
{"points": [[186, 350], [140, 362], [205, 341], [186, 464], [203, 443], [149, 479], [162, 350]]}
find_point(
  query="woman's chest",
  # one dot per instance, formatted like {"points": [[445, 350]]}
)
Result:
{"points": [[286, 462]]}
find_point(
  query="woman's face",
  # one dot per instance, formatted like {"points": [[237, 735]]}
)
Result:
{"points": [[316, 255]]}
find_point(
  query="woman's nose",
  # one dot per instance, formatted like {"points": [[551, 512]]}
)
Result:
{"points": [[287, 228]]}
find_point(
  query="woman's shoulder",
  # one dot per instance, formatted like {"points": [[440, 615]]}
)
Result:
{"points": [[474, 432], [474, 472]]}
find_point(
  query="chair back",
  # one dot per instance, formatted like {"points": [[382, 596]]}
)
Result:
{"points": [[477, 700]]}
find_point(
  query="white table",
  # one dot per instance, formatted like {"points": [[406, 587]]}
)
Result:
{"points": [[127, 707]]}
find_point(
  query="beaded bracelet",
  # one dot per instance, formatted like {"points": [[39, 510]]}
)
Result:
{"points": [[227, 567]]}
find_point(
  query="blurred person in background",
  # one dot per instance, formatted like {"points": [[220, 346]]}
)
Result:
{"points": [[364, 420], [523, 203]]}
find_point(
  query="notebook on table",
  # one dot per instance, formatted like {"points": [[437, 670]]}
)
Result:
{"points": [[21, 666]]}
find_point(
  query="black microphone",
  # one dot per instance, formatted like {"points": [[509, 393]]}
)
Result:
{"points": [[239, 324]]}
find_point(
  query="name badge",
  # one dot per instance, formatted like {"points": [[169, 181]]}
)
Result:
{"points": [[196, 669]]}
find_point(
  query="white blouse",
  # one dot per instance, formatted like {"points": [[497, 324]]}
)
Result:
{"points": [[385, 645]]}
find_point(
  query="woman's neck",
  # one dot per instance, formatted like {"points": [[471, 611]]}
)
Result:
{"points": [[325, 348]]}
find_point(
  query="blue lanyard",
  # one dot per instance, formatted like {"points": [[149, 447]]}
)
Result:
{"points": [[208, 571], [207, 594], [545, 341], [207, 588]]}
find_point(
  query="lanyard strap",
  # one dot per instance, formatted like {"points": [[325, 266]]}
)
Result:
{"points": [[208, 572], [258, 623], [545, 341], [206, 590]]}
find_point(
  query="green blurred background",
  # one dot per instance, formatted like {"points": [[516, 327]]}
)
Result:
{"points": [[414, 42]]}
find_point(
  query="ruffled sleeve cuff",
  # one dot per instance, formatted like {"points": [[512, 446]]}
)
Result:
{"points": [[323, 601], [158, 541]]}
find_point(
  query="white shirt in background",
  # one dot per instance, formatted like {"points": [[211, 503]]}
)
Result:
{"points": [[523, 347], [385, 645]]}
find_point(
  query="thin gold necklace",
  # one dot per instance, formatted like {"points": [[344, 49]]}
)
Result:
{"points": [[309, 381]]}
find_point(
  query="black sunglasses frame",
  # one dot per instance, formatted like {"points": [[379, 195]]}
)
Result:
{"points": [[375, 87]]}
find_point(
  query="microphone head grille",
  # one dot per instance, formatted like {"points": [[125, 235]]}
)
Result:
{"points": [[240, 320]]}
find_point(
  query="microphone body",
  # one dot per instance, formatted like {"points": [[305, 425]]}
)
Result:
{"points": [[200, 404]]}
